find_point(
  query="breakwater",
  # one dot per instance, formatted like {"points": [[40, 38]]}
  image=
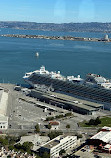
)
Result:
{"points": [[57, 37]]}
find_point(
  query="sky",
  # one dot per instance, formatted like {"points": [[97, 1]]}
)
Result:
{"points": [[55, 11]]}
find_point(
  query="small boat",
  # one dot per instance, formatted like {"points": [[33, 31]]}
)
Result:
{"points": [[36, 54]]}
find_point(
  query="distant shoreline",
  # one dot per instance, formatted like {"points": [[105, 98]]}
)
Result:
{"points": [[57, 37], [64, 27]]}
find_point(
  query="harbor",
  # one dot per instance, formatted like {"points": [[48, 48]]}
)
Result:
{"points": [[19, 105], [55, 79], [79, 57]]}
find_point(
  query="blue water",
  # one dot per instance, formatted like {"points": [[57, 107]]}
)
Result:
{"points": [[17, 55]]}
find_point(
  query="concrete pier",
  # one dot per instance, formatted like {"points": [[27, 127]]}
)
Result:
{"points": [[58, 37]]}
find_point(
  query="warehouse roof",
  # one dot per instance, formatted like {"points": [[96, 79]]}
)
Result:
{"points": [[104, 136]]}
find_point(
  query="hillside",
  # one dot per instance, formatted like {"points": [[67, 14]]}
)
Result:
{"points": [[79, 27]]}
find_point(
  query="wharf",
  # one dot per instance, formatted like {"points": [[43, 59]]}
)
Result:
{"points": [[68, 102], [57, 37], [74, 99]]}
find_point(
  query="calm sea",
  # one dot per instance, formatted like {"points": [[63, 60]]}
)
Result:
{"points": [[17, 55]]}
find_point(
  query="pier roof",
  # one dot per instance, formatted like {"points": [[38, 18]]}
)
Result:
{"points": [[71, 98], [82, 106]]}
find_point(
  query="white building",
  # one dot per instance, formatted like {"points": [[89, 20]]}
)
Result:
{"points": [[54, 146], [3, 109], [3, 122], [102, 139], [102, 136], [106, 38], [54, 125]]}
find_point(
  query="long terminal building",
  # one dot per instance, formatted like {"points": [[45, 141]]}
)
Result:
{"points": [[67, 102]]}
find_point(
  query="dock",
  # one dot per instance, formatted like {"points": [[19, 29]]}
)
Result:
{"points": [[58, 37]]}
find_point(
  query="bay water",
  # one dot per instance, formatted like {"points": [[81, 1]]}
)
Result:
{"points": [[17, 55]]}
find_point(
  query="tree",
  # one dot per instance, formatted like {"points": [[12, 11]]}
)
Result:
{"points": [[54, 134], [78, 135], [11, 147], [27, 146], [68, 114], [91, 122], [49, 126], [49, 118], [46, 155], [3, 141], [18, 146], [37, 156], [97, 121], [94, 121], [37, 129], [67, 126], [61, 152]]}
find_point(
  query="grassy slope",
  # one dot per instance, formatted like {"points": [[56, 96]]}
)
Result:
{"points": [[105, 121]]}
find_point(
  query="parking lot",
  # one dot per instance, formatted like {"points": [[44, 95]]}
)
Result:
{"points": [[24, 113]]}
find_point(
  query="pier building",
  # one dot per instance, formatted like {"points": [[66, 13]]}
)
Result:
{"points": [[67, 102], [3, 109]]}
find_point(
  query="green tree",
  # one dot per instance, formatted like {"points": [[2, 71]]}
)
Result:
{"points": [[78, 135], [54, 134], [97, 121], [18, 146], [3, 141], [11, 139], [49, 126], [91, 122], [37, 156], [94, 121], [11, 147], [46, 155], [27, 146], [61, 152], [68, 114], [67, 126], [49, 118], [37, 128]]}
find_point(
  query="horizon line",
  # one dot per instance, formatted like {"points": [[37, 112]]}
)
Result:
{"points": [[55, 22]]}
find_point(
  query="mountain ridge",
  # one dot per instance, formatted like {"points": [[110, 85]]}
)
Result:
{"points": [[77, 27]]}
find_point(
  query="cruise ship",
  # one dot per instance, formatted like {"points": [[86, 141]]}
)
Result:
{"points": [[47, 78], [97, 81], [93, 87]]}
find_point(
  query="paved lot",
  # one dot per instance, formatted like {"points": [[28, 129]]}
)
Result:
{"points": [[25, 115]]}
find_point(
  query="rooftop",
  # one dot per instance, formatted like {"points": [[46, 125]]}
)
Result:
{"points": [[54, 123], [105, 136], [3, 118], [71, 98], [106, 128], [35, 139], [107, 146], [3, 102], [56, 141], [83, 106]]}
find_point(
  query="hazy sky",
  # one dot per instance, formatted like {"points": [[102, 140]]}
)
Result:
{"points": [[56, 11]]}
